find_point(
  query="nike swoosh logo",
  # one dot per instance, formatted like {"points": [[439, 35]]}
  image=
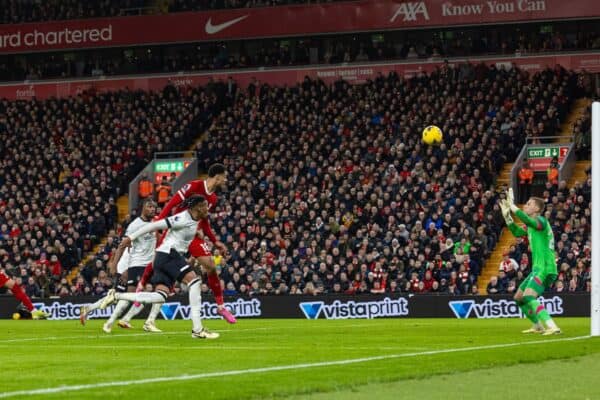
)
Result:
{"points": [[212, 29]]}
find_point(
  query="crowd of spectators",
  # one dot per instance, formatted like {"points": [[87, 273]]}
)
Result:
{"points": [[64, 162], [331, 189], [20, 11], [295, 51]]}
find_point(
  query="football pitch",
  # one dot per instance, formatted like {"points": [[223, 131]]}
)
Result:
{"points": [[300, 359]]}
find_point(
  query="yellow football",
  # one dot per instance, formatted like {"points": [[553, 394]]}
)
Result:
{"points": [[432, 135]]}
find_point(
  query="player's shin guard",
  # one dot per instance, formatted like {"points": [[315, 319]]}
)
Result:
{"points": [[143, 297], [133, 311], [119, 309], [214, 283], [195, 304], [20, 295]]}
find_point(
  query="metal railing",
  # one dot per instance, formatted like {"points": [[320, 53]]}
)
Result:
{"points": [[189, 173], [565, 169]]}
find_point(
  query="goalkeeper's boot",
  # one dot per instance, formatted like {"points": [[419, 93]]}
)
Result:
{"points": [[552, 331], [535, 328], [39, 314]]}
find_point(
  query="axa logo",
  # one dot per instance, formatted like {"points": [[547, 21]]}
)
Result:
{"points": [[462, 309], [312, 310], [169, 310], [410, 11]]}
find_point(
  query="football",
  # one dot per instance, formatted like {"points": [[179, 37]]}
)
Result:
{"points": [[432, 135]]}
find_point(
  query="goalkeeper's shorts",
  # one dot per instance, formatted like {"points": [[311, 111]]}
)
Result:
{"points": [[538, 281]]}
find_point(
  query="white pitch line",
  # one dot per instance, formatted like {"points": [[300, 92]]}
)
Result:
{"points": [[223, 347], [276, 368], [98, 335]]}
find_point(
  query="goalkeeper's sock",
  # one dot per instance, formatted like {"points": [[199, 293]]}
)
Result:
{"points": [[528, 312], [540, 312], [120, 307], [133, 311]]}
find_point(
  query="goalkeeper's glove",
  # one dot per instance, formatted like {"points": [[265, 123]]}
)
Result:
{"points": [[505, 208], [510, 198]]}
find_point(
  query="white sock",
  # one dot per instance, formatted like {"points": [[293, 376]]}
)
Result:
{"points": [[133, 311], [538, 325], [141, 297], [195, 304], [95, 306], [153, 313], [119, 309], [550, 324]]}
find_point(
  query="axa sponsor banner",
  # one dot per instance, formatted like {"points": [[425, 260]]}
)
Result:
{"points": [[366, 15], [279, 77]]}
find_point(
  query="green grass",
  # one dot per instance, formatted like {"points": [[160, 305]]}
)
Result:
{"points": [[51, 354]]}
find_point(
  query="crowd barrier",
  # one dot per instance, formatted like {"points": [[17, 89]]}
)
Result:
{"points": [[331, 307]]}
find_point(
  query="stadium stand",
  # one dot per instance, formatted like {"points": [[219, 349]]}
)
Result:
{"points": [[64, 162], [19, 11], [295, 51]]}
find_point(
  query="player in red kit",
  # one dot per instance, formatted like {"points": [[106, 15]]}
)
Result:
{"points": [[20, 295], [217, 178]]}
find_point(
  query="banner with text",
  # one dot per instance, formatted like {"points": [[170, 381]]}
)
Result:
{"points": [[332, 307], [285, 76], [296, 20]]}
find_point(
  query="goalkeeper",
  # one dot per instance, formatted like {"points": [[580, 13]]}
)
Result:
{"points": [[544, 273]]}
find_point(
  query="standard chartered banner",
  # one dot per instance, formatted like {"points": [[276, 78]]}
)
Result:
{"points": [[332, 307]]}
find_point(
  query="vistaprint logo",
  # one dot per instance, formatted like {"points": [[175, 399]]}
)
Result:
{"points": [[240, 308], [66, 311], [500, 308], [355, 309]]}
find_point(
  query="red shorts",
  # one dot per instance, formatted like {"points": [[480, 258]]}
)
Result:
{"points": [[3, 279], [199, 248]]}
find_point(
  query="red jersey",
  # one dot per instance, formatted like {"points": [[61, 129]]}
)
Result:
{"points": [[197, 186]]}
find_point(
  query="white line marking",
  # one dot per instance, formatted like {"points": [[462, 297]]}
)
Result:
{"points": [[99, 335], [219, 374]]}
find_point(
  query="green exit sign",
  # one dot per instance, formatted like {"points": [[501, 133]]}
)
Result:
{"points": [[169, 166], [547, 152]]}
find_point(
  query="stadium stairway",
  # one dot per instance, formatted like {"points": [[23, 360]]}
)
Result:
{"points": [[566, 128], [490, 267], [123, 210]]}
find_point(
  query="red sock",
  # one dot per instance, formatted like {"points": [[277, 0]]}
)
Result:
{"points": [[21, 296], [214, 283]]}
